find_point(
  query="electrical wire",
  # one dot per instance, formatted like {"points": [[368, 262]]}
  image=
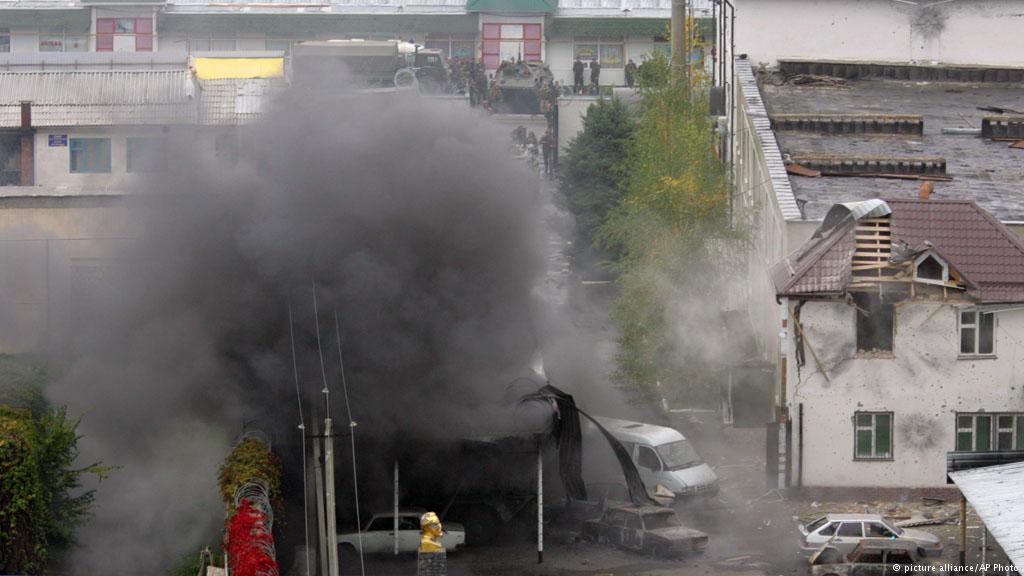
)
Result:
{"points": [[323, 370], [302, 433], [352, 440]]}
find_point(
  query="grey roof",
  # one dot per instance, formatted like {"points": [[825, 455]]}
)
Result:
{"points": [[104, 61], [759, 115], [236, 100], [994, 492], [986, 172], [98, 98]]}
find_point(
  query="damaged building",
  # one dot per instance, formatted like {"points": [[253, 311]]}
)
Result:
{"points": [[904, 319]]}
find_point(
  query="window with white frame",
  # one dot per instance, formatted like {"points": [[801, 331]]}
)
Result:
{"points": [[609, 51], [983, 431], [458, 46], [872, 436], [977, 333]]}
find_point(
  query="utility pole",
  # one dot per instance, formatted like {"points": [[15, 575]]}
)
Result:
{"points": [[680, 56], [540, 502], [321, 514], [332, 510]]}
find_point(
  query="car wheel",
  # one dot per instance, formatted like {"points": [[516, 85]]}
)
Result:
{"points": [[348, 555], [922, 552]]}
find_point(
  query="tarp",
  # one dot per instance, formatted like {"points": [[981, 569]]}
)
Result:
{"points": [[567, 433], [227, 68]]}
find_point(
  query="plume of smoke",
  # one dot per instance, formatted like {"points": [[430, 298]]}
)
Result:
{"points": [[415, 224]]}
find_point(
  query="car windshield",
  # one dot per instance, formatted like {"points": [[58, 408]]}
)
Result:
{"points": [[678, 455], [658, 521]]}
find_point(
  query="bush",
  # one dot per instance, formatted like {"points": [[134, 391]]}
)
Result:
{"points": [[39, 507]]}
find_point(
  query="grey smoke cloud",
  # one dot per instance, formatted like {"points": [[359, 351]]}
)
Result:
{"points": [[415, 223]]}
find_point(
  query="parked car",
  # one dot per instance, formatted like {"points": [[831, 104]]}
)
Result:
{"points": [[845, 531], [664, 456], [871, 557], [378, 537], [651, 530]]}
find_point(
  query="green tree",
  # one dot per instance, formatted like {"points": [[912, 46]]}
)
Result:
{"points": [[594, 171], [676, 246], [41, 501]]}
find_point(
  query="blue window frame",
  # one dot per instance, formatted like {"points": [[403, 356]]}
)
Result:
{"points": [[89, 155]]}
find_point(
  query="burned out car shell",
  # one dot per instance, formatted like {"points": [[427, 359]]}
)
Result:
{"points": [[649, 530]]}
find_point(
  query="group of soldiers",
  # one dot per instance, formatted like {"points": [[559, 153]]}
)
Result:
{"points": [[537, 150], [578, 68]]}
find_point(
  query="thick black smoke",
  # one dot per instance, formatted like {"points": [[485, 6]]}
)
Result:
{"points": [[418, 229]]}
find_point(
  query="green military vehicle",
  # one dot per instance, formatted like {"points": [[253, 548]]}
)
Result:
{"points": [[520, 86]]}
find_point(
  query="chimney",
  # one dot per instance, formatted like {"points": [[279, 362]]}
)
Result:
{"points": [[927, 187], [27, 145]]}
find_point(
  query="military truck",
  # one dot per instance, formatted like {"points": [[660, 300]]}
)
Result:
{"points": [[369, 64], [520, 85]]}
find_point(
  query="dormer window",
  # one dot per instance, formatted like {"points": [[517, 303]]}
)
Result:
{"points": [[928, 266]]}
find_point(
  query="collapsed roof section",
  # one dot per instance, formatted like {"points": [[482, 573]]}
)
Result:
{"points": [[927, 248]]}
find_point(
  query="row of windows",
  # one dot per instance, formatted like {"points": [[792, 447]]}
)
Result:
{"points": [[876, 327], [126, 34], [975, 432], [92, 155]]}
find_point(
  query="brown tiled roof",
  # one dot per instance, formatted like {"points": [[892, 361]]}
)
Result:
{"points": [[987, 253], [821, 269], [983, 250]]}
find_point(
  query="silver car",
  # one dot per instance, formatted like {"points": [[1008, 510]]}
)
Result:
{"points": [[845, 531]]}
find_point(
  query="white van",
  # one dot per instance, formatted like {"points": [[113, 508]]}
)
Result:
{"points": [[664, 456]]}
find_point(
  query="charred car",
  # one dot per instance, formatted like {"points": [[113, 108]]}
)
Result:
{"points": [[651, 530], [871, 557]]}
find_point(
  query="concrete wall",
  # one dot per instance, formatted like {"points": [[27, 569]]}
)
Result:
{"points": [[924, 384], [47, 248], [958, 31], [53, 164]]}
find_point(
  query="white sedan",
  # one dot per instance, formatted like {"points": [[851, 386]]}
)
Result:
{"points": [[379, 535]]}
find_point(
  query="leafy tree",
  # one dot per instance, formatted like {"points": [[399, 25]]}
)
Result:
{"points": [[654, 73], [40, 499], [594, 171], [676, 247]]}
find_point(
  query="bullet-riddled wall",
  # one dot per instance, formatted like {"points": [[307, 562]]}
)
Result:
{"points": [[924, 385]]}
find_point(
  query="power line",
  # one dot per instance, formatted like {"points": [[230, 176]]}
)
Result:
{"points": [[352, 440], [302, 432]]}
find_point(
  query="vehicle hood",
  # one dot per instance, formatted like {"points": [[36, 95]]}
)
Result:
{"points": [[700, 475], [920, 536], [678, 533]]}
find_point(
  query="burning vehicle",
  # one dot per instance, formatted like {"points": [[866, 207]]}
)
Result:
{"points": [[651, 530]]}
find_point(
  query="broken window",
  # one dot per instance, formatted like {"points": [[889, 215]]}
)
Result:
{"points": [[873, 436], [982, 432], [930, 268], [874, 323], [646, 458], [977, 333], [850, 529]]}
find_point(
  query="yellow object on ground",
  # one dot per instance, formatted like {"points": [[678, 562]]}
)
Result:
{"points": [[220, 68], [430, 525]]}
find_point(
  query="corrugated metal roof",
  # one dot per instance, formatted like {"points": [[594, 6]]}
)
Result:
{"points": [[78, 61], [93, 87], [98, 98], [995, 493]]}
